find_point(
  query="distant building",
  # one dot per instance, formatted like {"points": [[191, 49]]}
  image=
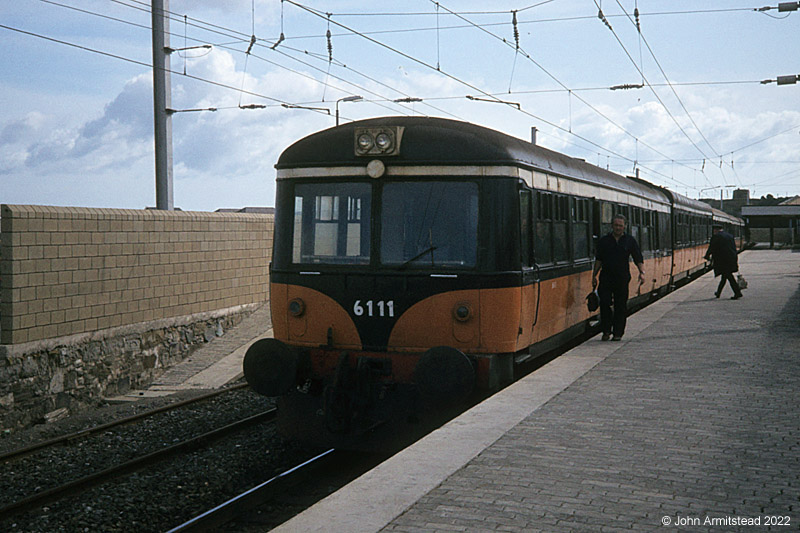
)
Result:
{"points": [[775, 224], [791, 201], [263, 210], [741, 198]]}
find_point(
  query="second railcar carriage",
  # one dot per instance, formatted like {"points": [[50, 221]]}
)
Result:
{"points": [[417, 259], [691, 231]]}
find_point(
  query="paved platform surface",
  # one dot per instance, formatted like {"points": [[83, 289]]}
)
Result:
{"points": [[691, 423]]}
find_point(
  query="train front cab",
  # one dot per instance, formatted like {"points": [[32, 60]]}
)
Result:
{"points": [[390, 296]]}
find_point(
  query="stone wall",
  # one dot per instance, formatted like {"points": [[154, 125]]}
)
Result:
{"points": [[780, 236], [95, 302], [45, 380]]}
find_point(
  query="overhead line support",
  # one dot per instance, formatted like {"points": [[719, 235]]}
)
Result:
{"points": [[162, 102]]}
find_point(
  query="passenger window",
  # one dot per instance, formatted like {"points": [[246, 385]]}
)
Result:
{"points": [[560, 251], [633, 225], [646, 235], [608, 212], [580, 229], [560, 237]]}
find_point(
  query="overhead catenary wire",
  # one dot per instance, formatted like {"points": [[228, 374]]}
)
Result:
{"points": [[239, 50], [559, 82], [136, 62], [642, 38], [249, 49], [282, 38], [637, 24], [217, 30], [528, 7], [227, 32], [647, 83], [564, 87], [467, 84], [276, 102], [374, 14]]}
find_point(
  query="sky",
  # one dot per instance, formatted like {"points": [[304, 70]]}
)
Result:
{"points": [[76, 127]]}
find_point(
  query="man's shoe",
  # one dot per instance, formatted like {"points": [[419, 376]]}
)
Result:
{"points": [[606, 337], [617, 338], [717, 294], [736, 296]]}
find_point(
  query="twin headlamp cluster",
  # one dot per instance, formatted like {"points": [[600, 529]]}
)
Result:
{"points": [[383, 140]]}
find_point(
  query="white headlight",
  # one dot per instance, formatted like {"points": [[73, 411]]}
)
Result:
{"points": [[384, 142], [365, 142]]}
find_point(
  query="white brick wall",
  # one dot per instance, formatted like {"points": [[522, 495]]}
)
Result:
{"points": [[68, 270]]}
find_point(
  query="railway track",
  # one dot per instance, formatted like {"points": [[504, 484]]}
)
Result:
{"points": [[144, 474], [281, 497], [278, 499], [252, 498], [71, 437], [45, 497]]}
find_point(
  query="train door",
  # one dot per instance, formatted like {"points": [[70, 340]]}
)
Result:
{"points": [[596, 226], [529, 302]]}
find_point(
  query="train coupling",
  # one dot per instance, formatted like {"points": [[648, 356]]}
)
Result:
{"points": [[352, 400]]}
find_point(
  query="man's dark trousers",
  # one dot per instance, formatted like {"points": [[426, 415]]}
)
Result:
{"points": [[613, 293], [728, 276]]}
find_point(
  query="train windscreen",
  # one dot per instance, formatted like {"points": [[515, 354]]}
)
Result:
{"points": [[423, 224], [332, 223], [429, 224]]}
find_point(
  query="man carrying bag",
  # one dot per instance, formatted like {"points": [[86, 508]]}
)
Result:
{"points": [[724, 258]]}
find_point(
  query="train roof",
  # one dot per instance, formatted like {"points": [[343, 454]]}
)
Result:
{"points": [[722, 216], [688, 204], [467, 144]]}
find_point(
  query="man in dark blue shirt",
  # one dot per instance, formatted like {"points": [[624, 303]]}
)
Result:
{"points": [[613, 262]]}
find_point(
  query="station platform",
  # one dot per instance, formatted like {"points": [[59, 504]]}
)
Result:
{"points": [[691, 423]]}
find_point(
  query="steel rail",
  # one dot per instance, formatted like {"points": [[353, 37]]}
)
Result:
{"points": [[97, 429], [39, 499], [253, 497]]}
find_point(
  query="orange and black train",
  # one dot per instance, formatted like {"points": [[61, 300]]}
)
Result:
{"points": [[417, 260]]}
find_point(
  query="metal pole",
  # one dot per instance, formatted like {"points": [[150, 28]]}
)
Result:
{"points": [[353, 98], [162, 101]]}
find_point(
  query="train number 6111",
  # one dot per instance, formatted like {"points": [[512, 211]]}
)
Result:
{"points": [[370, 308]]}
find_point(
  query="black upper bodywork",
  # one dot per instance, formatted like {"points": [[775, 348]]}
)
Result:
{"points": [[428, 140]]}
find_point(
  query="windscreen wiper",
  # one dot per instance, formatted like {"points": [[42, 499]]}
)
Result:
{"points": [[423, 252]]}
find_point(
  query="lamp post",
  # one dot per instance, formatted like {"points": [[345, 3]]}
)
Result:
{"points": [[354, 98]]}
